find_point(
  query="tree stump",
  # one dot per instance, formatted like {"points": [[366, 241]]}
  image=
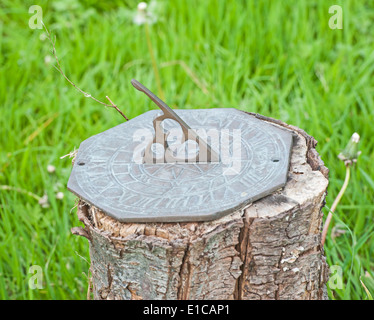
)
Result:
{"points": [[268, 250]]}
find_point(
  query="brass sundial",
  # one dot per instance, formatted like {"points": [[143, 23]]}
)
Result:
{"points": [[182, 165]]}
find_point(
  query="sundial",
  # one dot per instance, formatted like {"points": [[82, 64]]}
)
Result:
{"points": [[181, 165]]}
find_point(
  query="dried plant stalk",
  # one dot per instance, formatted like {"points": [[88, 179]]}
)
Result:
{"points": [[59, 69]]}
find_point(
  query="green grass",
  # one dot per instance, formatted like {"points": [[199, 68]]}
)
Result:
{"points": [[277, 58]]}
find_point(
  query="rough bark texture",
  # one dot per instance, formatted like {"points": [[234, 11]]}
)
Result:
{"points": [[268, 250]]}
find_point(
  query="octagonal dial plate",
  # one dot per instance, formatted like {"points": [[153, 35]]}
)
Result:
{"points": [[107, 174]]}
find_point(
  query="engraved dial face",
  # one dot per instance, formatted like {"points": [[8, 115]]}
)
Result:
{"points": [[254, 162]]}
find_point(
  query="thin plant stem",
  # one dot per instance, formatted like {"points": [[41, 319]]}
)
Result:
{"points": [[115, 107], [189, 72], [59, 69], [335, 204], [19, 190], [154, 63]]}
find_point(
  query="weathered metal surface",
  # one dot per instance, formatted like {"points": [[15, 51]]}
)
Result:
{"points": [[106, 173], [205, 154]]}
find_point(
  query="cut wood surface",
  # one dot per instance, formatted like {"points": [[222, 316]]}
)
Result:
{"points": [[269, 249]]}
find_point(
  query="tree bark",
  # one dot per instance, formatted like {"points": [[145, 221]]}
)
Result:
{"points": [[268, 250]]}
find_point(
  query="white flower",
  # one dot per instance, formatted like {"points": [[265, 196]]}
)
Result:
{"points": [[142, 6], [47, 59], [355, 137], [51, 169], [145, 13], [60, 195], [43, 201], [43, 36]]}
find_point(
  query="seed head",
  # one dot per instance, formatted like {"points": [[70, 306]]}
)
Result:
{"points": [[350, 154]]}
